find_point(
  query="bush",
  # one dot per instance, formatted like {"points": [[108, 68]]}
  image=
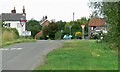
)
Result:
{"points": [[40, 37], [78, 35], [9, 34], [58, 35], [11, 30]]}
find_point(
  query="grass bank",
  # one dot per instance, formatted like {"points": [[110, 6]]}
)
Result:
{"points": [[81, 55], [10, 36], [19, 40]]}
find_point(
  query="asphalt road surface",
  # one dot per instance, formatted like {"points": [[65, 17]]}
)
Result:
{"points": [[26, 56]]}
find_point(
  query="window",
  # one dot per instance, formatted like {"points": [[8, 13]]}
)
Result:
{"points": [[94, 28], [7, 25], [18, 25], [91, 28]]}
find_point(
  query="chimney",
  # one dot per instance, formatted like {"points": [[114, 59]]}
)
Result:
{"points": [[24, 10], [13, 11], [45, 17]]}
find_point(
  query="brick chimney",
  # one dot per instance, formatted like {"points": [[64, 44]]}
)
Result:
{"points": [[24, 10], [13, 11]]}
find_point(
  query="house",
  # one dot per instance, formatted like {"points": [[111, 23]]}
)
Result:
{"points": [[96, 25], [44, 22], [15, 20]]}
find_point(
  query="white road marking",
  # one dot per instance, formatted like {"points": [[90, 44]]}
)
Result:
{"points": [[11, 49]]}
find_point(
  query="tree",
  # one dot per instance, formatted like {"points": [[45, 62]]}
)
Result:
{"points": [[33, 26], [109, 10], [50, 30], [60, 24]]}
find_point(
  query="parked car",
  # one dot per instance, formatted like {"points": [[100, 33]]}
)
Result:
{"points": [[66, 37]]}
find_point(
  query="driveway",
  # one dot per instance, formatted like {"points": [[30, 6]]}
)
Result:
{"points": [[26, 56]]}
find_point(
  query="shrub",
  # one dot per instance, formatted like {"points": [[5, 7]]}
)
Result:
{"points": [[40, 37], [78, 34], [9, 34], [58, 35], [11, 30]]}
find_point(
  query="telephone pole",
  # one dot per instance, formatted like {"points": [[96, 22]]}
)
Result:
{"points": [[73, 17]]}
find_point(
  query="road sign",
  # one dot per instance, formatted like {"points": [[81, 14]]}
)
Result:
{"points": [[22, 22], [82, 25], [26, 33]]}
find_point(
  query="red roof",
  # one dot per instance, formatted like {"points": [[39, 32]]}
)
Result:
{"points": [[45, 23], [96, 22]]}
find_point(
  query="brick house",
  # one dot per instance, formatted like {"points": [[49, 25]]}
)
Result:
{"points": [[96, 25], [44, 22]]}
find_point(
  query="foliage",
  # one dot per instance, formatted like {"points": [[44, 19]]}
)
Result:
{"points": [[0, 23], [9, 34], [111, 17], [58, 35], [81, 55], [33, 26], [60, 25], [50, 30], [66, 27], [76, 27], [78, 34], [109, 10]]}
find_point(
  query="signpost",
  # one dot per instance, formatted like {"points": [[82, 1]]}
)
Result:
{"points": [[70, 29], [83, 26], [22, 23]]}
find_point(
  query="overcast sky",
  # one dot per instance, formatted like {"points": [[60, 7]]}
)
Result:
{"points": [[54, 9]]}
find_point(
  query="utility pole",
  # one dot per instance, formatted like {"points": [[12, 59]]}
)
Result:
{"points": [[71, 25], [73, 17]]}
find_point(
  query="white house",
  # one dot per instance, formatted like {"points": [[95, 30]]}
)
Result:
{"points": [[15, 20]]}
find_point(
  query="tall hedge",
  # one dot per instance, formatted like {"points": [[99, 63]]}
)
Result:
{"points": [[9, 34]]}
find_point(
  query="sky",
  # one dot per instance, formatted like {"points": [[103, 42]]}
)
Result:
{"points": [[54, 9]]}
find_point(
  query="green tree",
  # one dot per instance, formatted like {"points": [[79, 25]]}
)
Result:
{"points": [[50, 30], [60, 24], [58, 35], [33, 26], [109, 10]]}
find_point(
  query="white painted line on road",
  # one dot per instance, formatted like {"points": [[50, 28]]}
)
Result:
{"points": [[11, 49], [15, 48]]}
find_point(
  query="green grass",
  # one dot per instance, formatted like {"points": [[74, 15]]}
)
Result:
{"points": [[81, 55], [10, 36], [20, 40]]}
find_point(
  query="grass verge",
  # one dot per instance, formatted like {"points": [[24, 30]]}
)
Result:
{"points": [[81, 55], [20, 40]]}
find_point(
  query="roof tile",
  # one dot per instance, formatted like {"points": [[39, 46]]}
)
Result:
{"points": [[96, 22]]}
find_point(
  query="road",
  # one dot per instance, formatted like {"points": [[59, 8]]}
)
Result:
{"points": [[26, 56]]}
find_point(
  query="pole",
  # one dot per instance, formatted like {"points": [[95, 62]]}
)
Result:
{"points": [[82, 33], [73, 17]]}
